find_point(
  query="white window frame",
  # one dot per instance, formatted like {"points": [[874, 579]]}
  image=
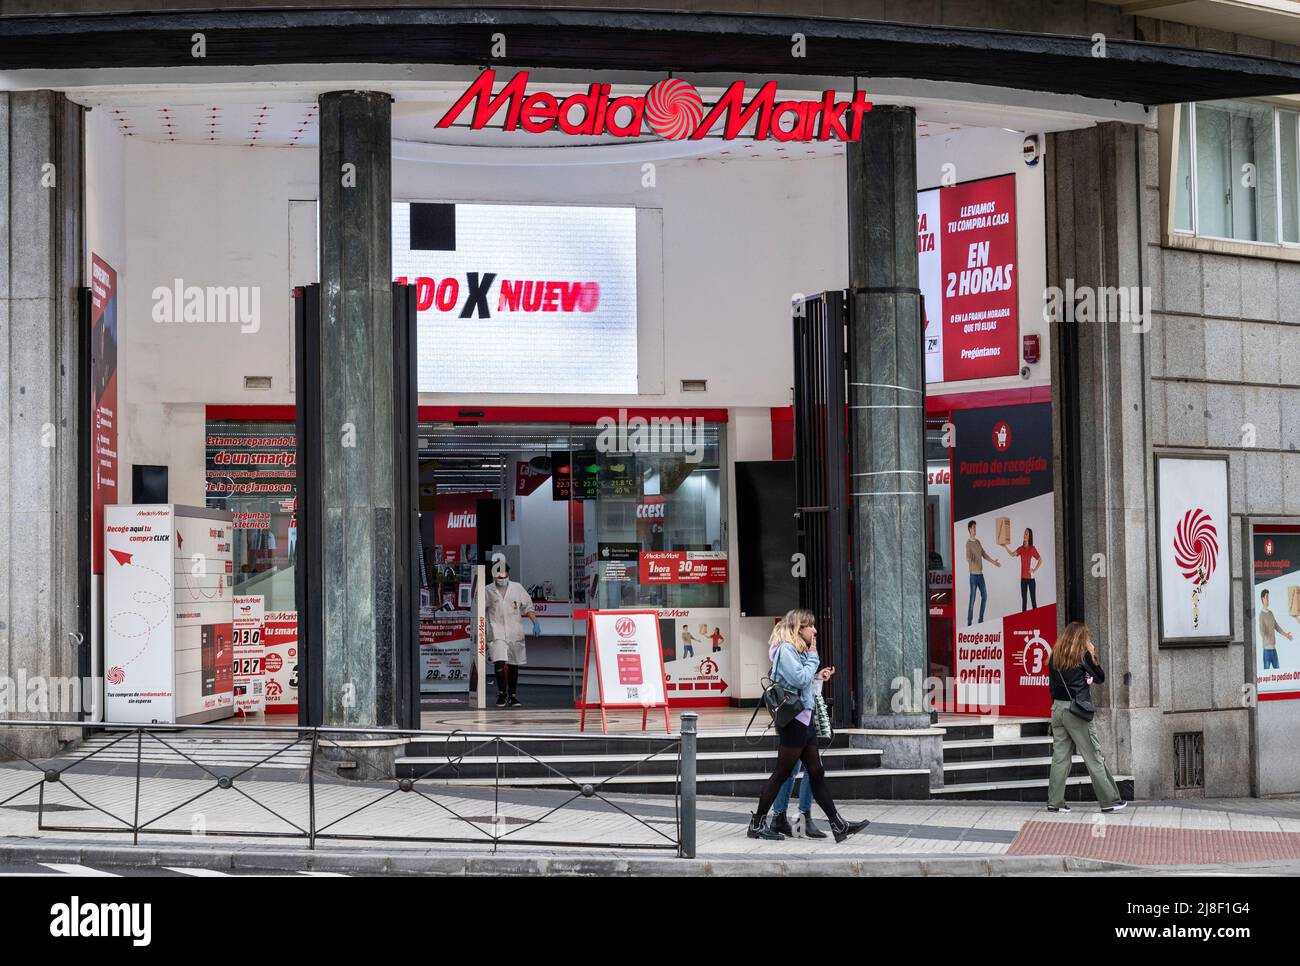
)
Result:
{"points": [[1171, 119]]}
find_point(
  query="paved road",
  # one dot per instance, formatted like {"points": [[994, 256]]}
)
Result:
{"points": [[12, 870]]}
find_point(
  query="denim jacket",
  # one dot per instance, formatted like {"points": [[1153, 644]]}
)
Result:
{"points": [[797, 671]]}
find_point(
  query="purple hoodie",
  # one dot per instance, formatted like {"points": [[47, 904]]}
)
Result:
{"points": [[806, 714]]}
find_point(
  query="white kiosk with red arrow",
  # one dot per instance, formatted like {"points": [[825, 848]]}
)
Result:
{"points": [[169, 641], [624, 664]]}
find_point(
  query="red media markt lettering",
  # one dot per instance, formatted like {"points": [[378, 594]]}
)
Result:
{"points": [[671, 108]]}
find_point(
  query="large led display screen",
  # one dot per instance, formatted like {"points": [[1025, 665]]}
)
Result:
{"points": [[521, 298]]}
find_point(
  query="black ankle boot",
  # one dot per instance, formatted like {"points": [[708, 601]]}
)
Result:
{"points": [[781, 824], [811, 830], [842, 829], [758, 828]]}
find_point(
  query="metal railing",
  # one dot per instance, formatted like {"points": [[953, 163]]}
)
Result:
{"points": [[309, 804]]}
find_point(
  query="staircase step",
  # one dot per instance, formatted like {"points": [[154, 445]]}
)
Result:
{"points": [[1003, 769], [588, 766], [845, 784], [1078, 788], [995, 749], [597, 744], [976, 729]]}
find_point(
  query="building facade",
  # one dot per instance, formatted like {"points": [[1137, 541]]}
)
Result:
{"points": [[1145, 174]]}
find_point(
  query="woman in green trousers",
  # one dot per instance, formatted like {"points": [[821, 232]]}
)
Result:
{"points": [[1074, 667]]}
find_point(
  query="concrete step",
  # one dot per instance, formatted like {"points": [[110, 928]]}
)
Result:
{"points": [[994, 749], [1078, 788], [845, 784], [1004, 770], [975, 728], [588, 766], [597, 744]]}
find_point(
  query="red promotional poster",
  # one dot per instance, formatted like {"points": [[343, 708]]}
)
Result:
{"points": [[683, 566], [1004, 580], [977, 247], [280, 635], [456, 523], [103, 390], [1027, 638]]}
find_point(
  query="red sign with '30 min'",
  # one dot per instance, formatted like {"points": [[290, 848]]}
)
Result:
{"points": [[683, 567]]}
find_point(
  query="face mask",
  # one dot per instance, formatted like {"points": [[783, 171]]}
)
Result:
{"points": [[503, 581]]}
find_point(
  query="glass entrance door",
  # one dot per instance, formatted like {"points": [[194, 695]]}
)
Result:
{"points": [[488, 493], [650, 532]]}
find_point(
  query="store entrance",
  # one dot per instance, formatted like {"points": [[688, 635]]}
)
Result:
{"points": [[575, 513], [491, 492]]}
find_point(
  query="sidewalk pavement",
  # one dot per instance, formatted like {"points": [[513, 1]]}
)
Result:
{"points": [[607, 834]]}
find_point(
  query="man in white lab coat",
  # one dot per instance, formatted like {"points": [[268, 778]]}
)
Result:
{"points": [[506, 607]]}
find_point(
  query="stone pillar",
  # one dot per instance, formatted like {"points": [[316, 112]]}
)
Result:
{"points": [[359, 471], [40, 273], [1096, 238], [887, 418]]}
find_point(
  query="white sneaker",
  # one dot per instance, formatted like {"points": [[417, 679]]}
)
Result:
{"points": [[1117, 807]]}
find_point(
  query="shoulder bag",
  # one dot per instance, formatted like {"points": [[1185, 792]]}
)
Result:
{"points": [[1079, 707], [782, 703]]}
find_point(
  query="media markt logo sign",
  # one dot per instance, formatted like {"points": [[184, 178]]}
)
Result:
{"points": [[672, 108]]}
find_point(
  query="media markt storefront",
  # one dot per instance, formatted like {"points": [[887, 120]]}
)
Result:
{"points": [[421, 289]]}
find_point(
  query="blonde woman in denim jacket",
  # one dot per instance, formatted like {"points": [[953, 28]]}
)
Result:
{"points": [[795, 666]]}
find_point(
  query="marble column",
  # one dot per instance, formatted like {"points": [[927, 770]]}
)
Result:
{"points": [[359, 466], [886, 419]]}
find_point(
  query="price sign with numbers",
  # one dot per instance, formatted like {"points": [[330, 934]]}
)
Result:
{"points": [[446, 654], [624, 665], [250, 695]]}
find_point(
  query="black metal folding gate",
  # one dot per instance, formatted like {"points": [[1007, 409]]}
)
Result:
{"points": [[821, 455]]}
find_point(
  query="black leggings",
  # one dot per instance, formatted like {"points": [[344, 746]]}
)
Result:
{"points": [[814, 773], [507, 678]]}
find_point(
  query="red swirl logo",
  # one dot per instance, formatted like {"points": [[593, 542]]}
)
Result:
{"points": [[673, 108], [115, 675], [625, 627], [1196, 546]]}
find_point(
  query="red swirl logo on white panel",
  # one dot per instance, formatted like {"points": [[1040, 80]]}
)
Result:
{"points": [[673, 108], [1196, 552], [625, 627]]}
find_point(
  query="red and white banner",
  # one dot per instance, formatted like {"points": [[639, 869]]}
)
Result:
{"points": [[280, 638], [249, 684], [683, 566], [624, 665], [139, 625], [456, 523], [446, 655], [103, 401], [966, 249], [1194, 545], [1004, 551]]}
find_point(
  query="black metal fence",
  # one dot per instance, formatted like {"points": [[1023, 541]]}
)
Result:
{"points": [[139, 779]]}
